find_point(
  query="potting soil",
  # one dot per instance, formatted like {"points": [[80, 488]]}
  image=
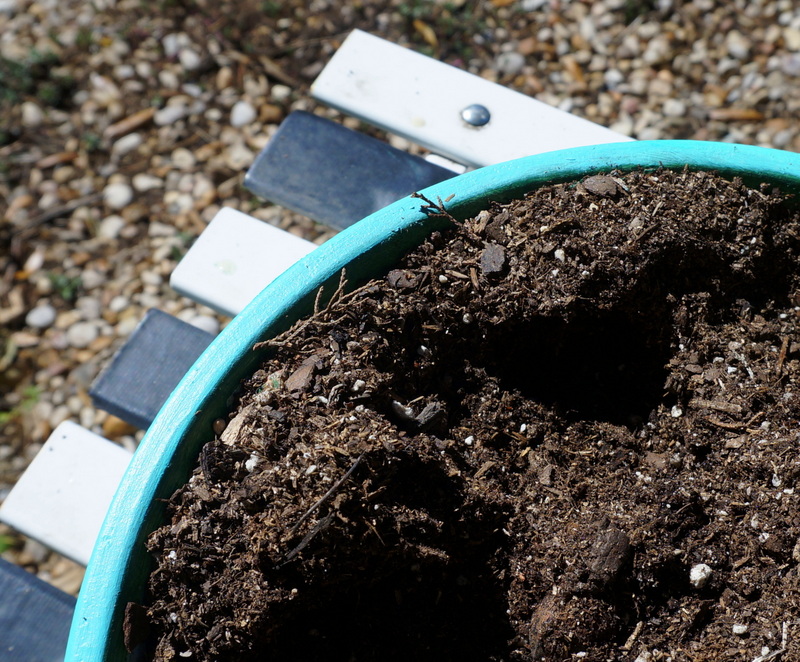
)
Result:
{"points": [[567, 428]]}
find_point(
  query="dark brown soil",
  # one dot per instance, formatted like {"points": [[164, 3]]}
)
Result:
{"points": [[533, 440]]}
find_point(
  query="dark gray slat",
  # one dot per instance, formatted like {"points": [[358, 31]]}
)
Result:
{"points": [[147, 368], [334, 175], [34, 617]]}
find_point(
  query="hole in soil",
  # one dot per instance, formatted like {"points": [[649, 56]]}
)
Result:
{"points": [[421, 584], [595, 366], [425, 609]]}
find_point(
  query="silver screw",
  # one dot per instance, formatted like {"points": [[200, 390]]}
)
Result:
{"points": [[476, 115]]}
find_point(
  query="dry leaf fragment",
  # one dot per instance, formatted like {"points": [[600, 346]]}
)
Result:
{"points": [[734, 114], [427, 33], [56, 159], [574, 69], [20, 202], [128, 124]]}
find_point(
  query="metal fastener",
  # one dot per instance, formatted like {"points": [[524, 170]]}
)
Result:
{"points": [[476, 115]]}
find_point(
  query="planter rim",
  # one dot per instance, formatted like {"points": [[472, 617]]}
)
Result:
{"points": [[116, 571]]}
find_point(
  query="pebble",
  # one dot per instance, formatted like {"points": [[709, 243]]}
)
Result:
{"points": [[34, 262], [32, 115], [24, 339], [790, 64], [213, 115], [117, 196], [89, 307], [172, 42], [81, 334], [177, 203], [613, 78], [203, 191], [189, 59], [60, 414], [126, 326], [43, 285], [67, 318], [41, 317], [674, 108], [740, 628], [192, 90], [206, 323], [623, 125], [791, 38], [650, 133], [242, 114], [280, 92], [183, 159], [42, 410], [143, 69], [124, 71], [36, 550], [533, 5], [509, 63], [224, 78], [168, 79], [104, 91], [110, 226], [738, 45], [58, 340], [148, 299], [143, 182], [87, 417], [156, 229], [74, 403], [152, 278], [238, 157], [168, 115], [118, 304], [658, 50], [127, 144], [92, 279]]}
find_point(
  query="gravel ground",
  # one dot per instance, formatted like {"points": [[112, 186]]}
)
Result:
{"points": [[124, 127]]}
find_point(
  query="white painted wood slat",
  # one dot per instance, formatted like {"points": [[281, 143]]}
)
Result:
{"points": [[62, 498], [235, 258], [422, 99]]}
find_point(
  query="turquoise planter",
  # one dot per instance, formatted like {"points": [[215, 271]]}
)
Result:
{"points": [[120, 565]]}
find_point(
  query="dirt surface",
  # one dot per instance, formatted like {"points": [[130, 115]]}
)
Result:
{"points": [[565, 429]]}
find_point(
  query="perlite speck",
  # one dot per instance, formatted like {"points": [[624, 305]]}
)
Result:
{"points": [[699, 575]]}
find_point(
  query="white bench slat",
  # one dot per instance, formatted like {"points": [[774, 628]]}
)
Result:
{"points": [[421, 99], [62, 498], [233, 259]]}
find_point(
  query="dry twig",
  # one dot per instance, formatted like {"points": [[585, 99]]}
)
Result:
{"points": [[326, 496]]}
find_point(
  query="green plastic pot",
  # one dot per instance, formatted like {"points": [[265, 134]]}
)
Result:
{"points": [[118, 570]]}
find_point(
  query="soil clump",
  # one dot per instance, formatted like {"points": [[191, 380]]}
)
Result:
{"points": [[565, 428]]}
